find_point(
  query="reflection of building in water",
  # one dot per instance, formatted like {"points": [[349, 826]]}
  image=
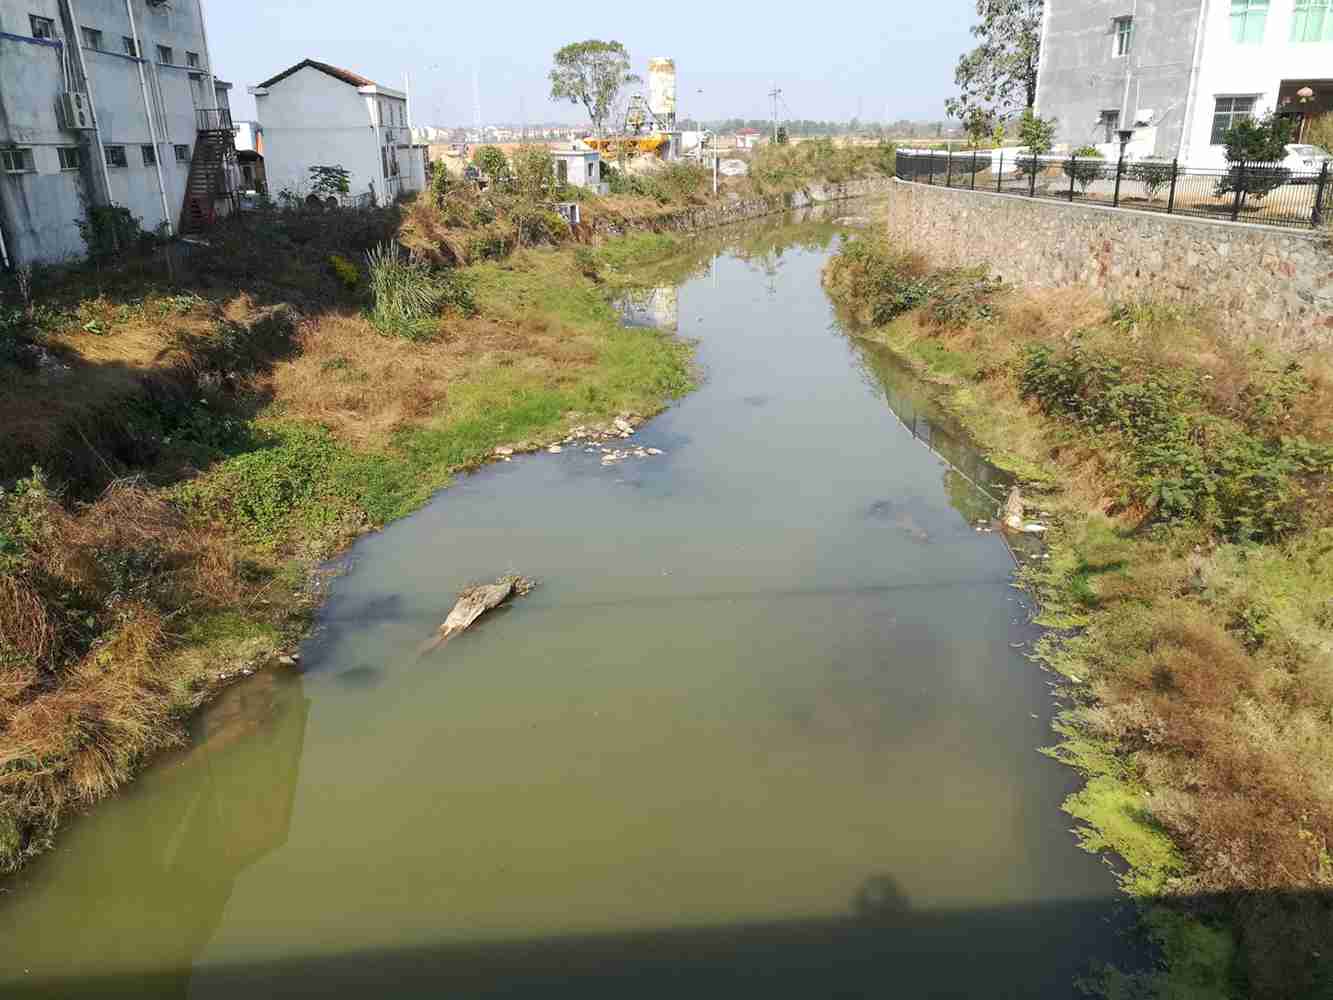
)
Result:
{"points": [[658, 308], [142, 884]]}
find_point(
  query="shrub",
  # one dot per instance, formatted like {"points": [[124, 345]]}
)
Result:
{"points": [[345, 271], [1255, 150], [1186, 464], [329, 182], [1154, 173], [534, 172], [110, 230], [491, 161], [1084, 166], [409, 294]]}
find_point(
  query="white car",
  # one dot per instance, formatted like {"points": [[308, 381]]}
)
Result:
{"points": [[1305, 162]]}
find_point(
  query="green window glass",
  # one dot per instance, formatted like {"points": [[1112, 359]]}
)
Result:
{"points": [[1312, 21], [1248, 18]]}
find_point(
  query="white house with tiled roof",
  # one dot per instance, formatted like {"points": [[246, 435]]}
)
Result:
{"points": [[314, 114]]}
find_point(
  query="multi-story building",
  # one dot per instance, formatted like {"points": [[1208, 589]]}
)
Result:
{"points": [[1178, 73], [314, 114], [106, 102]]}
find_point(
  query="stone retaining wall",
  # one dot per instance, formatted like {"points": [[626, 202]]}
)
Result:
{"points": [[1260, 281], [722, 213]]}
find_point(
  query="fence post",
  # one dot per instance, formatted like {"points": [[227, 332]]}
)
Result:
{"points": [[1317, 216], [1171, 198], [1240, 188], [948, 167], [1032, 180], [974, 170], [1073, 164], [1119, 169], [931, 178], [999, 174]]}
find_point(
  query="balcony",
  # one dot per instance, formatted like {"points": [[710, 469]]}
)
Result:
{"points": [[213, 120]]}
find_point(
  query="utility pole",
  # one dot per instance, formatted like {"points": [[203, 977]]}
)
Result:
{"points": [[775, 94]]}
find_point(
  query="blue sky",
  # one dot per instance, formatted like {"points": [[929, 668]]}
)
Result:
{"points": [[893, 59]]}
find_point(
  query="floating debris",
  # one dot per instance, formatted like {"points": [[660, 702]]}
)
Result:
{"points": [[476, 601]]}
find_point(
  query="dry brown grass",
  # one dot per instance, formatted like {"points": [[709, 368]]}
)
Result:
{"points": [[90, 677]]}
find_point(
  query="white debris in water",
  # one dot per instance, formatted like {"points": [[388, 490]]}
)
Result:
{"points": [[555, 449]]}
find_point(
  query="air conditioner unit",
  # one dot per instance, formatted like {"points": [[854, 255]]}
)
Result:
{"points": [[76, 111]]}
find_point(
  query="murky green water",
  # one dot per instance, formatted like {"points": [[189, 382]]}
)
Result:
{"points": [[763, 730]]}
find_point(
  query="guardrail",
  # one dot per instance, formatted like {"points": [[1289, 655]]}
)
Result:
{"points": [[213, 119], [1270, 194]]}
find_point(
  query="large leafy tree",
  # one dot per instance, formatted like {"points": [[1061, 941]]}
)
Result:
{"points": [[591, 73], [999, 76]]}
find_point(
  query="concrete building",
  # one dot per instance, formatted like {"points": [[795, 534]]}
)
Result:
{"points": [[106, 102], [314, 114], [579, 165], [1179, 72]]}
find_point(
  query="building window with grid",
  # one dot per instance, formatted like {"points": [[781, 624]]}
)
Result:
{"points": [[127, 43], [70, 159], [1107, 123], [1226, 112], [42, 27], [192, 60], [165, 56], [1124, 36], [1248, 19], [182, 154], [1312, 21], [149, 156], [92, 39], [16, 161], [115, 156]]}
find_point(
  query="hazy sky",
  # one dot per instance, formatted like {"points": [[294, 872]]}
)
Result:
{"points": [[887, 58]]}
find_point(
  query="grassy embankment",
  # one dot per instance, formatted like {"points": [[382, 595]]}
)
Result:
{"points": [[205, 434], [1189, 592]]}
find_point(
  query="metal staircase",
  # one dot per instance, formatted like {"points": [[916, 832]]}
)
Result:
{"points": [[212, 169]]}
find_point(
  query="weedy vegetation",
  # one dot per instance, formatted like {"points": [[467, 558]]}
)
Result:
{"points": [[1188, 589]]}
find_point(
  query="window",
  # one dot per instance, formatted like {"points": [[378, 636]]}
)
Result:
{"points": [[42, 27], [1312, 21], [92, 38], [115, 156], [384, 113], [165, 56], [192, 60], [16, 161], [182, 154], [1247, 21], [127, 43], [1109, 123], [149, 155], [70, 159], [1124, 35], [1226, 113]]}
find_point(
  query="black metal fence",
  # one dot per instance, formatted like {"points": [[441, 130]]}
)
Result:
{"points": [[1271, 194]]}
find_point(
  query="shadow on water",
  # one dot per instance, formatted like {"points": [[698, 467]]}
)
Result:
{"points": [[213, 821], [882, 948]]}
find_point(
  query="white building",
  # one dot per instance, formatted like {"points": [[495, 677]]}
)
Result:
{"points": [[1178, 73], [314, 114], [84, 120], [579, 165]]}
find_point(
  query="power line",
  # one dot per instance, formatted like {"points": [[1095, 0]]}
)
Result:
{"points": [[776, 95]]}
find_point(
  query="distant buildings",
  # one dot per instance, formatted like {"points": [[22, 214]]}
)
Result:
{"points": [[1178, 73], [314, 114], [119, 107]]}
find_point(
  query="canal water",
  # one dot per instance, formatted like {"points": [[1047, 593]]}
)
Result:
{"points": [[765, 729]]}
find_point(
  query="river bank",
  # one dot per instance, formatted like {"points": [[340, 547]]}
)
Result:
{"points": [[1187, 595], [203, 432]]}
